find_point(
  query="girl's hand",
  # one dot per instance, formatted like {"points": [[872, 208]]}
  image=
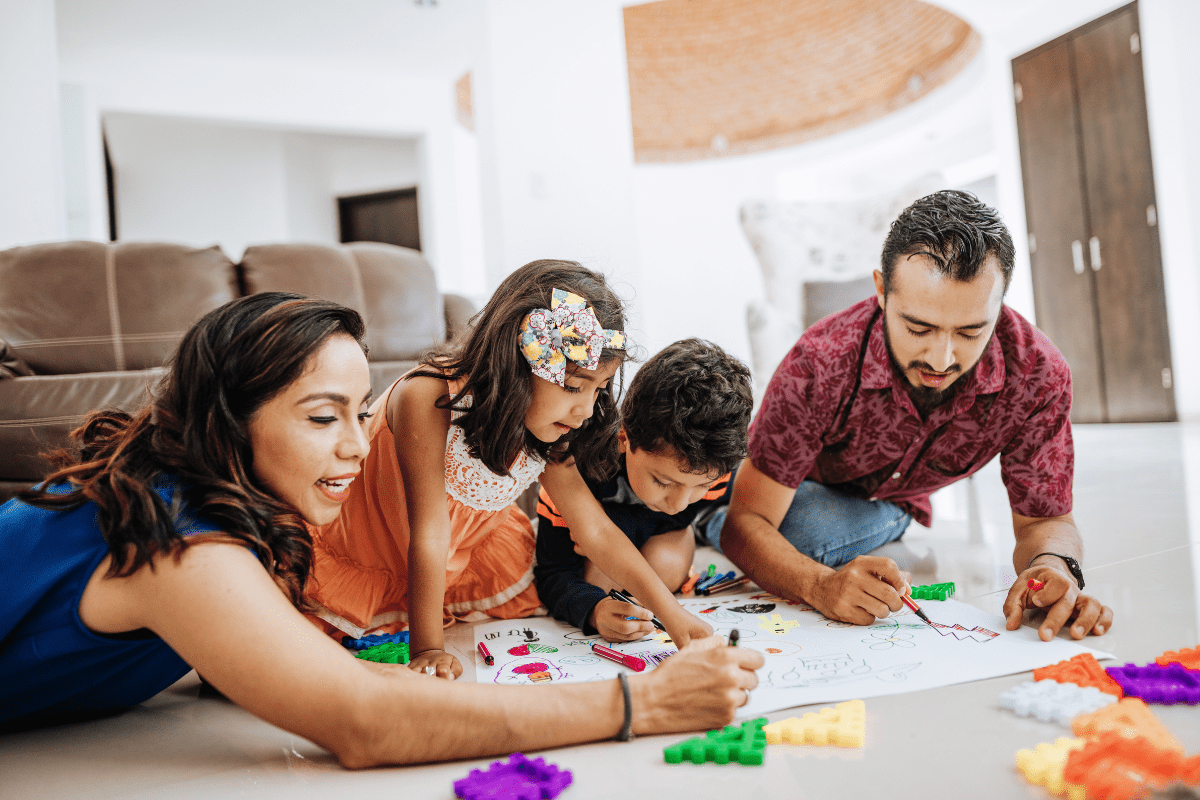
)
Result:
{"points": [[683, 627], [608, 617], [699, 688], [444, 665]]}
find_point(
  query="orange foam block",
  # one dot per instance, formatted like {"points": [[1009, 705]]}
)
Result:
{"points": [[843, 725], [1130, 718], [1044, 766], [1189, 658], [1114, 766], [1082, 670]]}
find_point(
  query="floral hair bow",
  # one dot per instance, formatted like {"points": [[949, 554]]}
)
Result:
{"points": [[568, 329]]}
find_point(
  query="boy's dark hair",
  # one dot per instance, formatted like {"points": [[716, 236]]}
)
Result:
{"points": [[955, 230], [498, 378], [227, 366], [696, 398]]}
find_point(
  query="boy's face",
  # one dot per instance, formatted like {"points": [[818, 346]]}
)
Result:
{"points": [[659, 479]]}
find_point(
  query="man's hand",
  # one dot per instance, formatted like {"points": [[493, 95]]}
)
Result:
{"points": [[1061, 600], [866, 589], [444, 665], [608, 617]]}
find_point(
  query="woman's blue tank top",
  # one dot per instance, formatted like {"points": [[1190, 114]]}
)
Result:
{"points": [[52, 667]]}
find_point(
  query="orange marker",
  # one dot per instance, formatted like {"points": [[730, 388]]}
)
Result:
{"points": [[690, 585]]}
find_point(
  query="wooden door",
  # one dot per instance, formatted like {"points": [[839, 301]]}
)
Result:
{"points": [[1063, 288], [1124, 248], [1089, 197]]}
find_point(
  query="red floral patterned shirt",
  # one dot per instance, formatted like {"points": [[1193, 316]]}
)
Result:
{"points": [[836, 412]]}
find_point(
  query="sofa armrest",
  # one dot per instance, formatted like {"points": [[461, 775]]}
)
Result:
{"points": [[459, 311], [40, 411]]}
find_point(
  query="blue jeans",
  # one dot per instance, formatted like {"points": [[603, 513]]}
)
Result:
{"points": [[829, 527]]}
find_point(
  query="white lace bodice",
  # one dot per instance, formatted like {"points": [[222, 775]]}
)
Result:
{"points": [[474, 485]]}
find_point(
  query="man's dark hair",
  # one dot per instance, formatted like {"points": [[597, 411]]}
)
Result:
{"points": [[955, 230], [696, 398]]}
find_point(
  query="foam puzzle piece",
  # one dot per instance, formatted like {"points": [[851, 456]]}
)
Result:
{"points": [[1167, 685], [843, 725], [1043, 766], [933, 591], [745, 744], [1189, 658], [1050, 701], [1130, 718], [375, 639], [387, 653], [519, 778], [1114, 766], [1082, 670]]}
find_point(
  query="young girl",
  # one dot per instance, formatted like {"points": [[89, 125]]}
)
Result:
{"points": [[430, 531], [178, 539]]}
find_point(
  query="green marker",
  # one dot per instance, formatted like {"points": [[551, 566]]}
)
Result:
{"points": [[712, 570]]}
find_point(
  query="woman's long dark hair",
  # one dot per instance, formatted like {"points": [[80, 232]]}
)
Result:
{"points": [[498, 378], [235, 359]]}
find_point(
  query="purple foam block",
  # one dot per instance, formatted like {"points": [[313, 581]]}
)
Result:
{"points": [[519, 778], [1155, 683]]}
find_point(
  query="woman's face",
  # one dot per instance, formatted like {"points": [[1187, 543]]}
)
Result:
{"points": [[309, 440]]}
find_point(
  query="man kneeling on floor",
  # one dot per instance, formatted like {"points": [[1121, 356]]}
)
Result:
{"points": [[909, 391]]}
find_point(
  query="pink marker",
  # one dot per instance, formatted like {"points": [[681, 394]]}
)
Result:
{"points": [[634, 663], [1035, 585]]}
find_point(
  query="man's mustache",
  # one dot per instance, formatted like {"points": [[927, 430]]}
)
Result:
{"points": [[924, 367]]}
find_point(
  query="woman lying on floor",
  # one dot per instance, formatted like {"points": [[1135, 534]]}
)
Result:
{"points": [[177, 540]]}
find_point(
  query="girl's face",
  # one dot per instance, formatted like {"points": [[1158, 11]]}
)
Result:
{"points": [[556, 410], [310, 439]]}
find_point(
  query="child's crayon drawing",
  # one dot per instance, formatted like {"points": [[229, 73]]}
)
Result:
{"points": [[809, 658]]}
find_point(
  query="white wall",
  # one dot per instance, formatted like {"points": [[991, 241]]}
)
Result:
{"points": [[296, 96], [201, 183], [32, 201], [556, 139]]}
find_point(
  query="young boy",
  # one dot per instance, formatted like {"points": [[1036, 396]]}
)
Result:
{"points": [[683, 432]]}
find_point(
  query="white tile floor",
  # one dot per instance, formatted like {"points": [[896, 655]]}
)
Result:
{"points": [[1137, 501]]}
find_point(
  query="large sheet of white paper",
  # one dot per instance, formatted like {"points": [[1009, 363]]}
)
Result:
{"points": [[809, 658]]}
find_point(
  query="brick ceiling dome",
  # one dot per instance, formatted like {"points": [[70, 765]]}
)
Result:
{"points": [[711, 78]]}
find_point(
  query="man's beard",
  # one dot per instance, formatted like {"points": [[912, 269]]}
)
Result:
{"points": [[927, 398]]}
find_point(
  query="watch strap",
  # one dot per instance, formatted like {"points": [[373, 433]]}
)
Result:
{"points": [[1072, 565]]}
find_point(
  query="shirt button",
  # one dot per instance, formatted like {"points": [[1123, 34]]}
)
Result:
{"points": [[895, 476]]}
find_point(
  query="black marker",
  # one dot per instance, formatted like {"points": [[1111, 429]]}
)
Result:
{"points": [[733, 637]]}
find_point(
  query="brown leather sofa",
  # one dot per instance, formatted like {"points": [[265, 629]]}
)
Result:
{"points": [[88, 325]]}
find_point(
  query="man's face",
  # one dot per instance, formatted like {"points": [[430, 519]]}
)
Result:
{"points": [[937, 328]]}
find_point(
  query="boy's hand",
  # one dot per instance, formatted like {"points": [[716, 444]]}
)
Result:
{"points": [[444, 665], [608, 617]]}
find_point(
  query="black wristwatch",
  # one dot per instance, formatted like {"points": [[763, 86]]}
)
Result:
{"points": [[1072, 565]]}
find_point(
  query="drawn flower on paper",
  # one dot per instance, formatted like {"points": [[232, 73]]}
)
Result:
{"points": [[886, 641]]}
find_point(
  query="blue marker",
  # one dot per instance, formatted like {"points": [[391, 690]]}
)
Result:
{"points": [[702, 587]]}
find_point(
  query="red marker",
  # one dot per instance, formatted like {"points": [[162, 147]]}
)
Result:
{"points": [[916, 609], [634, 663], [487, 657], [1035, 585]]}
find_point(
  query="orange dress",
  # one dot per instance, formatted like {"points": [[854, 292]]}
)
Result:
{"points": [[359, 579]]}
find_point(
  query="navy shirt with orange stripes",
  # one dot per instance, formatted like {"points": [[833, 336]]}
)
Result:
{"points": [[558, 569]]}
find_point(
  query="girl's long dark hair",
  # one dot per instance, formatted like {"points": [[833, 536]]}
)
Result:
{"points": [[498, 378], [227, 366]]}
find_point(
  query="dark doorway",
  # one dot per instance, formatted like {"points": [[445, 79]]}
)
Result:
{"points": [[389, 217]]}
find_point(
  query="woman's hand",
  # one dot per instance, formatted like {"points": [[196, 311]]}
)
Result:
{"points": [[699, 688], [444, 665], [609, 618]]}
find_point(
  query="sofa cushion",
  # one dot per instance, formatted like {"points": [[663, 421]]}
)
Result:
{"points": [[39, 412], [11, 364], [72, 307], [392, 287]]}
